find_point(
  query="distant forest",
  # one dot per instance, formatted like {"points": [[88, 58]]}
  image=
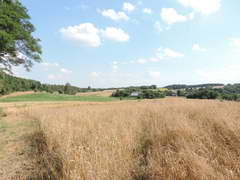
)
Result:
{"points": [[183, 86], [9, 84]]}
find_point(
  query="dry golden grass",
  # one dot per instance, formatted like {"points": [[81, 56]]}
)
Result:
{"points": [[158, 139], [105, 93], [140, 140]]}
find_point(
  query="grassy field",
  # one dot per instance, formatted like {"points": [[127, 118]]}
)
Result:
{"points": [[15, 130], [40, 97], [171, 138]]}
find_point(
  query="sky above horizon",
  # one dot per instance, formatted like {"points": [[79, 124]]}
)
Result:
{"points": [[136, 42]]}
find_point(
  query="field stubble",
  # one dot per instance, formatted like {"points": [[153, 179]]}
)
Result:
{"points": [[143, 140]]}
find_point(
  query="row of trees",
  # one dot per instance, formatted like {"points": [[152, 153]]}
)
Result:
{"points": [[229, 92], [9, 84], [139, 93], [184, 86]]}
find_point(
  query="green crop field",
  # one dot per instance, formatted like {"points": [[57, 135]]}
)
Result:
{"points": [[39, 97]]}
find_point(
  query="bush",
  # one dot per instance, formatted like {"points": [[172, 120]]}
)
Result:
{"points": [[203, 94], [143, 94]]}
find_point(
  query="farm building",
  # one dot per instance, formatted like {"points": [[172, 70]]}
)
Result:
{"points": [[135, 94]]}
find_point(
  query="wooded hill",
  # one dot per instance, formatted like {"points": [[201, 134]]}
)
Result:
{"points": [[9, 84], [184, 86]]}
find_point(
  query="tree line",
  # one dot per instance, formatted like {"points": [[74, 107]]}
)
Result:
{"points": [[9, 84], [141, 92], [229, 92], [184, 86]]}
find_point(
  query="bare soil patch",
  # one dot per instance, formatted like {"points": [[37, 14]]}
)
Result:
{"points": [[18, 94]]}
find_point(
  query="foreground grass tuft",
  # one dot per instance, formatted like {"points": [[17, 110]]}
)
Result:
{"points": [[47, 163]]}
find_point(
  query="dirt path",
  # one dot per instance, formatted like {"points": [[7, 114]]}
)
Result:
{"points": [[15, 130]]}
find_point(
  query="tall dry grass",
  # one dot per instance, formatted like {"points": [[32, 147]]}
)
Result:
{"points": [[148, 140]]}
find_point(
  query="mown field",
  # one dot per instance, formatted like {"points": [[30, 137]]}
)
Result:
{"points": [[170, 138], [47, 97]]}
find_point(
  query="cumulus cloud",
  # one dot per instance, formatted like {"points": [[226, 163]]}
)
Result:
{"points": [[84, 34], [94, 74], [115, 34], [115, 68], [203, 6], [228, 74], [235, 42], [171, 16], [113, 15], [55, 69], [196, 47], [128, 7], [141, 61], [147, 11], [55, 76], [88, 35], [169, 53], [158, 26], [65, 71], [162, 54], [154, 74]]}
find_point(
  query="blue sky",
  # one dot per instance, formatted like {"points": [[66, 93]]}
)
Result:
{"points": [[136, 42]]}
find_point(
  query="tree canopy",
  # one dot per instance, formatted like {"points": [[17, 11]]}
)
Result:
{"points": [[17, 44]]}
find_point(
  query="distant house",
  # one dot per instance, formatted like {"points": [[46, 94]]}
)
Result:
{"points": [[135, 94]]}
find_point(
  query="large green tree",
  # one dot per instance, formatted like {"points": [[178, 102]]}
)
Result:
{"points": [[17, 44]]}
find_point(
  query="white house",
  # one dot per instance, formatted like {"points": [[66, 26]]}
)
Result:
{"points": [[135, 94]]}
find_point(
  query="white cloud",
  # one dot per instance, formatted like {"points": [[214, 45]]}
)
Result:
{"points": [[65, 71], [115, 34], [116, 16], [158, 26], [141, 61], [154, 74], [89, 35], [115, 62], [84, 34], [123, 79], [128, 7], [55, 69], [169, 53], [95, 74], [171, 16], [203, 6], [235, 42], [147, 11], [191, 16], [115, 68], [196, 47], [155, 59], [162, 53], [228, 74], [55, 76]]}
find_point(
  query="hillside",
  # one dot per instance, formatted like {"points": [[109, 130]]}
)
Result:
{"points": [[184, 86], [9, 84]]}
